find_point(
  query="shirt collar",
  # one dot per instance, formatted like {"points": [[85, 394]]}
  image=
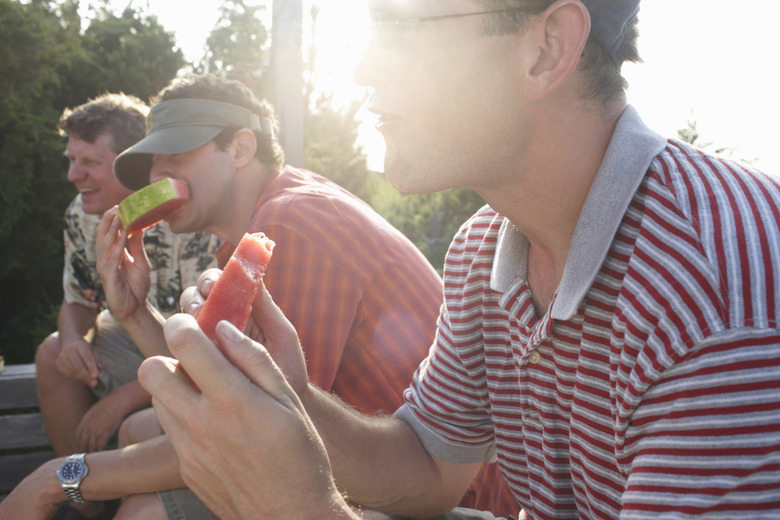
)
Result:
{"points": [[631, 150]]}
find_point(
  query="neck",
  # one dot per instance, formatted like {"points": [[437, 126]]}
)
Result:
{"points": [[548, 188], [249, 185]]}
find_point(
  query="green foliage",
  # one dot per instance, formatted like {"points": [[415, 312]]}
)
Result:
{"points": [[36, 51], [690, 134], [131, 53], [238, 44], [47, 63], [430, 220], [330, 136]]}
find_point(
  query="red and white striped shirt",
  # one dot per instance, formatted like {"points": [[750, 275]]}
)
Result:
{"points": [[651, 388]]}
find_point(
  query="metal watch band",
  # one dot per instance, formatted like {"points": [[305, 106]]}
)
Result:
{"points": [[74, 495]]}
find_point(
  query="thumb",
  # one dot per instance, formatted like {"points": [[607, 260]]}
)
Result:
{"points": [[254, 361], [269, 317], [135, 246]]}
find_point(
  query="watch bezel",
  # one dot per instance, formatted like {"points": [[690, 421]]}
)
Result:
{"points": [[82, 471], [74, 463]]}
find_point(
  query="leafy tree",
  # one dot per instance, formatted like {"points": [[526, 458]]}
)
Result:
{"points": [[238, 44], [130, 53], [430, 220], [37, 49], [48, 63], [330, 133]]}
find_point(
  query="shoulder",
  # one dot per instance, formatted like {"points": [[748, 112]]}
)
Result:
{"points": [[301, 194], [79, 226], [711, 224], [699, 243], [700, 182], [74, 213], [334, 221], [476, 238]]}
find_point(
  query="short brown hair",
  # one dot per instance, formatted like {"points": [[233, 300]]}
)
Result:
{"points": [[602, 78], [119, 115]]}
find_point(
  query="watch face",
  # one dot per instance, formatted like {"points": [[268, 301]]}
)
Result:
{"points": [[71, 471]]}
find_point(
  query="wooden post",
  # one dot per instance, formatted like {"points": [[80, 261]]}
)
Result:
{"points": [[287, 76]]}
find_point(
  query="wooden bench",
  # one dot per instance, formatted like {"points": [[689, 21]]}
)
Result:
{"points": [[23, 442]]}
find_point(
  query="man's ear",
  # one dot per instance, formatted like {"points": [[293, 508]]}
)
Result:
{"points": [[560, 36], [243, 147]]}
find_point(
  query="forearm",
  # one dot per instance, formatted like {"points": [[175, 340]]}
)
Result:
{"points": [[380, 463], [74, 322], [129, 398], [142, 468], [147, 467], [145, 329]]}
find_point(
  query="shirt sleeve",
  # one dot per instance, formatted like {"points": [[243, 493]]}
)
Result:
{"points": [[444, 406], [80, 281], [318, 298]]}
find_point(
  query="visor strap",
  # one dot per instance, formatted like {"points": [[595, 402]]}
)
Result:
{"points": [[262, 124]]}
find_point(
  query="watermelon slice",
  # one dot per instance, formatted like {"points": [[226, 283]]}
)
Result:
{"points": [[149, 205], [232, 295]]}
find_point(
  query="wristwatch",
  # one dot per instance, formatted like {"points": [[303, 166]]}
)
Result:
{"points": [[71, 473]]}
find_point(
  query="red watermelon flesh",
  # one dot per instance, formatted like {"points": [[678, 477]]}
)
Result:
{"points": [[232, 295], [151, 204]]}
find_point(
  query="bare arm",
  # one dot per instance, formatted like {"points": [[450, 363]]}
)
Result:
{"points": [[76, 359], [377, 462], [381, 464], [126, 275], [141, 468]]}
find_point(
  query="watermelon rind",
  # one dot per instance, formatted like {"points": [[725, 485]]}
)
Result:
{"points": [[144, 200]]}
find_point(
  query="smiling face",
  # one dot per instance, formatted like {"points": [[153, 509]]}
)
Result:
{"points": [[447, 97], [91, 170]]}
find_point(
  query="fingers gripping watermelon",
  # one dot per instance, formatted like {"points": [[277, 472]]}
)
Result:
{"points": [[149, 205], [232, 295]]}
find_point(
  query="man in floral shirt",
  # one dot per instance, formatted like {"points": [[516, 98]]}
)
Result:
{"points": [[87, 369]]}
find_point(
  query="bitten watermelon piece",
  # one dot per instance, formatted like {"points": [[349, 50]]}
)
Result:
{"points": [[149, 205], [232, 295]]}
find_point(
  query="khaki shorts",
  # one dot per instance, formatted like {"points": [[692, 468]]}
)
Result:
{"points": [[118, 355], [461, 513], [183, 504]]}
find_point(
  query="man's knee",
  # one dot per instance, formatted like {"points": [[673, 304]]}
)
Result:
{"points": [[46, 355], [139, 427], [141, 507]]}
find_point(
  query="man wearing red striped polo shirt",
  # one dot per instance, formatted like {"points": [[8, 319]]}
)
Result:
{"points": [[609, 331]]}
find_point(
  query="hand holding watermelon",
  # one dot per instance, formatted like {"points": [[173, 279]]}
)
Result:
{"points": [[233, 293], [123, 266], [219, 293], [240, 395]]}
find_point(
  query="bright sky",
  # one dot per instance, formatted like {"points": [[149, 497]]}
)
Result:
{"points": [[711, 61]]}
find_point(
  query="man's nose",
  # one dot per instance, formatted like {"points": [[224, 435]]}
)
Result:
{"points": [[367, 71], [75, 172]]}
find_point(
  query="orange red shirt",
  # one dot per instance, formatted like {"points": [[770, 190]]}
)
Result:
{"points": [[362, 297]]}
